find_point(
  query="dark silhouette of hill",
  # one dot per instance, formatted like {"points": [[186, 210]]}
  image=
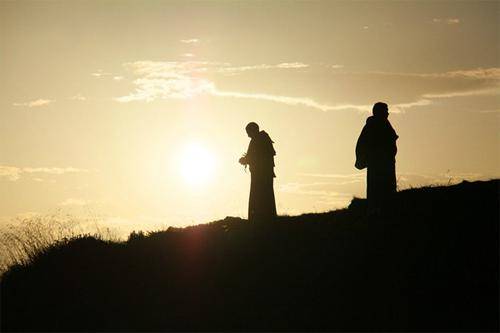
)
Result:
{"points": [[429, 265]]}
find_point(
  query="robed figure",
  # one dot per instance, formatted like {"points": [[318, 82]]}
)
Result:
{"points": [[260, 158], [376, 150]]}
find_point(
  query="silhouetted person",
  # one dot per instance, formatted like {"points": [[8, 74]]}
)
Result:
{"points": [[376, 149], [260, 158]]}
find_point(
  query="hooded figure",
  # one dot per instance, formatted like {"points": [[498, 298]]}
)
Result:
{"points": [[376, 149], [260, 158]]}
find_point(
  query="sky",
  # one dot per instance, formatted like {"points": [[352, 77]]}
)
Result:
{"points": [[134, 111]]}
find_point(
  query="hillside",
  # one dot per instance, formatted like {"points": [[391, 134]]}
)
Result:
{"points": [[429, 265]]}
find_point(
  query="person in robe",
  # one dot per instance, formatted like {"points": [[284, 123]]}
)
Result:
{"points": [[376, 150], [260, 158]]}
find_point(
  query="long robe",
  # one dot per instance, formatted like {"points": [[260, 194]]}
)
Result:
{"points": [[260, 158], [376, 149]]}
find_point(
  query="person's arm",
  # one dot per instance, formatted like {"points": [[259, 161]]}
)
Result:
{"points": [[394, 139], [247, 157], [362, 149]]}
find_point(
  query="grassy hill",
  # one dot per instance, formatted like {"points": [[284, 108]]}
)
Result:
{"points": [[432, 264]]}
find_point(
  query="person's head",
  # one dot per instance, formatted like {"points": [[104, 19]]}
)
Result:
{"points": [[380, 110], [252, 129]]}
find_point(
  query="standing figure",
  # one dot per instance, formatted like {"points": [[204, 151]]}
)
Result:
{"points": [[376, 149], [260, 158]]}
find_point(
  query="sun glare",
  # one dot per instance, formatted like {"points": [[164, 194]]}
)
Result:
{"points": [[197, 164]]}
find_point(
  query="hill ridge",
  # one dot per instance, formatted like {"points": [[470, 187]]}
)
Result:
{"points": [[429, 264]]}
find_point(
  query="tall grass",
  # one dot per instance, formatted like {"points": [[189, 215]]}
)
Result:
{"points": [[23, 238]]}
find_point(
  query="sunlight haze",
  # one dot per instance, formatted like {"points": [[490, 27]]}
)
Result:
{"points": [[136, 110]]}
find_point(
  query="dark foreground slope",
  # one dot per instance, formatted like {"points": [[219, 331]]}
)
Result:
{"points": [[431, 264]]}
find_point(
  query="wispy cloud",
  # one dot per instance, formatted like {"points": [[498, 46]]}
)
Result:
{"points": [[312, 188], [54, 171], [402, 107], [490, 111], [450, 84], [239, 69], [337, 179], [187, 79], [174, 86], [449, 21], [325, 194], [477, 73], [331, 175], [78, 97], [182, 80], [190, 41], [366, 108], [179, 80], [492, 73], [35, 103], [10, 173], [13, 173], [466, 93], [294, 101], [100, 73]]}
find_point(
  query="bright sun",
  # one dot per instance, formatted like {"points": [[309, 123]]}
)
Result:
{"points": [[197, 164]]}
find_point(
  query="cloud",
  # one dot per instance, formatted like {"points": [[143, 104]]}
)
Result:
{"points": [[339, 179], [325, 194], [188, 55], [100, 73], [492, 73], [292, 65], [332, 175], [118, 78], [315, 188], [283, 65], [54, 171], [175, 86], [187, 79], [449, 21], [294, 101], [427, 87], [466, 93], [179, 80], [78, 97], [10, 173], [477, 73], [168, 68], [13, 173], [35, 103], [367, 108], [490, 111], [190, 41], [401, 107], [176, 83]]}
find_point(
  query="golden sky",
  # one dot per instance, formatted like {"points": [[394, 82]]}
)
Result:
{"points": [[135, 110]]}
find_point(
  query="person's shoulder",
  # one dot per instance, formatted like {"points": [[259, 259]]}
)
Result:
{"points": [[370, 120], [264, 136]]}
